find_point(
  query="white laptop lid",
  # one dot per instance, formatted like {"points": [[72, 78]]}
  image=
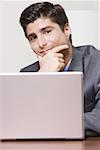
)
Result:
{"points": [[41, 105]]}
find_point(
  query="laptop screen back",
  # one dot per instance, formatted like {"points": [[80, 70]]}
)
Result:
{"points": [[42, 105]]}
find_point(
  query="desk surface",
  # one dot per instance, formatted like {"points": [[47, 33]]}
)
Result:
{"points": [[89, 144]]}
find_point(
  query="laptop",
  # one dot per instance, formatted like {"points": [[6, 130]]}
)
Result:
{"points": [[41, 106]]}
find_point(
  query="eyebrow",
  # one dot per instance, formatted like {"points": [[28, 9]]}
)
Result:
{"points": [[41, 30], [45, 28]]}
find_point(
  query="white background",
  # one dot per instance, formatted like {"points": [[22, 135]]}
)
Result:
{"points": [[15, 51]]}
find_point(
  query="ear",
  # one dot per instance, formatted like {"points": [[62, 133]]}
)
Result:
{"points": [[67, 30]]}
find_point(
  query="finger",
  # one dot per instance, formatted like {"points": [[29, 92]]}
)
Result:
{"points": [[59, 55], [61, 60], [59, 48], [61, 66]]}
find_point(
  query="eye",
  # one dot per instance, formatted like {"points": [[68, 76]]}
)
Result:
{"points": [[47, 31], [32, 38]]}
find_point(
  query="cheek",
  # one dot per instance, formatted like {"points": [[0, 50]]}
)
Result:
{"points": [[58, 36], [34, 47], [53, 39], [49, 38], [58, 39]]}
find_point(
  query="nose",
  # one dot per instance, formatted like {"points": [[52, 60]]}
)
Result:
{"points": [[42, 42]]}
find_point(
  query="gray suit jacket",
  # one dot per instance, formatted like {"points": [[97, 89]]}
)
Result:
{"points": [[87, 60]]}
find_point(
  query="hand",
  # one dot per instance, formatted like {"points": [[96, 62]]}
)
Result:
{"points": [[53, 61]]}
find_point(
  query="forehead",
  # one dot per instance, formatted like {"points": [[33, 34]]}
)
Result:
{"points": [[39, 24]]}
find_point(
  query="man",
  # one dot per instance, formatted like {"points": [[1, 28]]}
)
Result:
{"points": [[46, 27]]}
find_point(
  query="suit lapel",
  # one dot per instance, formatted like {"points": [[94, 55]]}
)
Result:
{"points": [[77, 61], [35, 66]]}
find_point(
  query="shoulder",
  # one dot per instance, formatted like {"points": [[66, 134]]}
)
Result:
{"points": [[31, 68], [88, 50], [91, 56]]}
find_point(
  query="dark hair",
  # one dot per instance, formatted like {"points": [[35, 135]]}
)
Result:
{"points": [[45, 9]]}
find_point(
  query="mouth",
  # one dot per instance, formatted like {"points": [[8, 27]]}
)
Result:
{"points": [[44, 52]]}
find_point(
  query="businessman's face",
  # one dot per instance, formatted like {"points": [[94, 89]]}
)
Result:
{"points": [[43, 35]]}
